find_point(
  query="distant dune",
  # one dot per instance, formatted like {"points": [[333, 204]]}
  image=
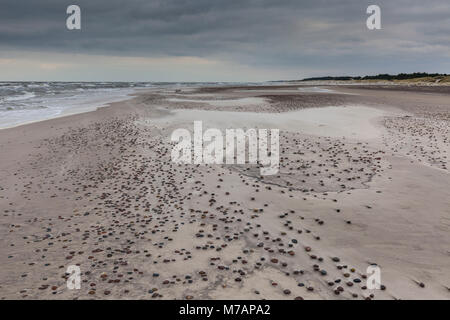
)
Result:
{"points": [[403, 78]]}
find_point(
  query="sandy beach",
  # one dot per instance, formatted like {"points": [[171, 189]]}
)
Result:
{"points": [[364, 180]]}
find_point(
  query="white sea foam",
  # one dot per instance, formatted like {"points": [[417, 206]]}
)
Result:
{"points": [[24, 96]]}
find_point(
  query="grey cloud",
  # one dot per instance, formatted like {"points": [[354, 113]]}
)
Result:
{"points": [[284, 33]]}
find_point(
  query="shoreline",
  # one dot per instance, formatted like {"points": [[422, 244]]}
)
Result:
{"points": [[77, 110]]}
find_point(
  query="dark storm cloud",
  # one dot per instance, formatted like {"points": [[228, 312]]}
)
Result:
{"points": [[280, 33]]}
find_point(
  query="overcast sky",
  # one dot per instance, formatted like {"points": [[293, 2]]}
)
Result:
{"points": [[226, 40]]}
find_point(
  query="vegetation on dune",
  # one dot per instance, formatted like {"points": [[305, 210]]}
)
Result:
{"points": [[404, 77]]}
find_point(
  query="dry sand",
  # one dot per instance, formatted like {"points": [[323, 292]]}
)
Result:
{"points": [[364, 179]]}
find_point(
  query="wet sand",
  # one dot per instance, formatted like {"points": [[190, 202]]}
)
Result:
{"points": [[364, 180]]}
